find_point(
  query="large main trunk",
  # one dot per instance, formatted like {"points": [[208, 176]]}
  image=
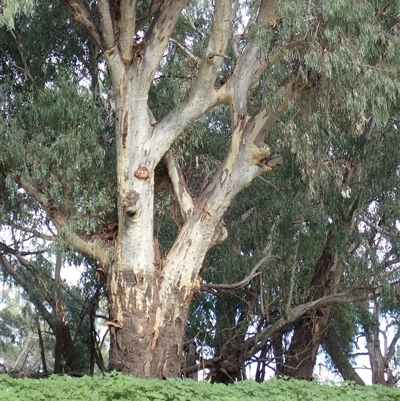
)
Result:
{"points": [[149, 296], [148, 305], [139, 344]]}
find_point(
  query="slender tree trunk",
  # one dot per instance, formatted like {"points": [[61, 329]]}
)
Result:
{"points": [[309, 331], [95, 351], [64, 340], [72, 363], [333, 348], [41, 344], [379, 359], [261, 364], [58, 313], [376, 359], [276, 341]]}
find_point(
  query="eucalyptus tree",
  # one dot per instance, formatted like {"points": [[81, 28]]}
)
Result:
{"points": [[255, 59]]}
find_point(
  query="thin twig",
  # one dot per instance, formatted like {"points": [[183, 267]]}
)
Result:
{"points": [[183, 48], [26, 68]]}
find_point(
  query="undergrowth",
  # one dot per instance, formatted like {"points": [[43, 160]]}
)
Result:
{"points": [[115, 386]]}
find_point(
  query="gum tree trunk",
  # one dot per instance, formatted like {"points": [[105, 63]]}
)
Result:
{"points": [[150, 295]]}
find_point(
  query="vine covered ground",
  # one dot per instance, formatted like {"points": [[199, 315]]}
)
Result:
{"points": [[115, 386]]}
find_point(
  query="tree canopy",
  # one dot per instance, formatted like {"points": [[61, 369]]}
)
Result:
{"points": [[228, 170]]}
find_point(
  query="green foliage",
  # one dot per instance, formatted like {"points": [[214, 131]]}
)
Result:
{"points": [[117, 387], [10, 8], [56, 139], [17, 328]]}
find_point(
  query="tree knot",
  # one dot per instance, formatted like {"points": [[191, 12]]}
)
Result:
{"points": [[142, 173], [115, 323], [129, 203]]}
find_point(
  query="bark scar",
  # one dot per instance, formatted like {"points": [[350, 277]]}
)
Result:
{"points": [[125, 130], [142, 172], [205, 213], [154, 340], [130, 203]]}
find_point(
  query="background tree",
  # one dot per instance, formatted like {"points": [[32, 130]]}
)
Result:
{"points": [[301, 231], [70, 342]]}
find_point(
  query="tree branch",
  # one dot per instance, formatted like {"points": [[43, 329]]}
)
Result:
{"points": [[93, 249], [26, 287], [126, 27], [12, 251], [36, 233], [256, 343], [217, 44], [392, 347], [36, 274], [178, 182], [191, 24], [184, 49], [25, 64], [106, 22], [82, 15], [152, 9], [158, 35], [239, 284], [201, 96], [294, 265], [246, 159]]}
